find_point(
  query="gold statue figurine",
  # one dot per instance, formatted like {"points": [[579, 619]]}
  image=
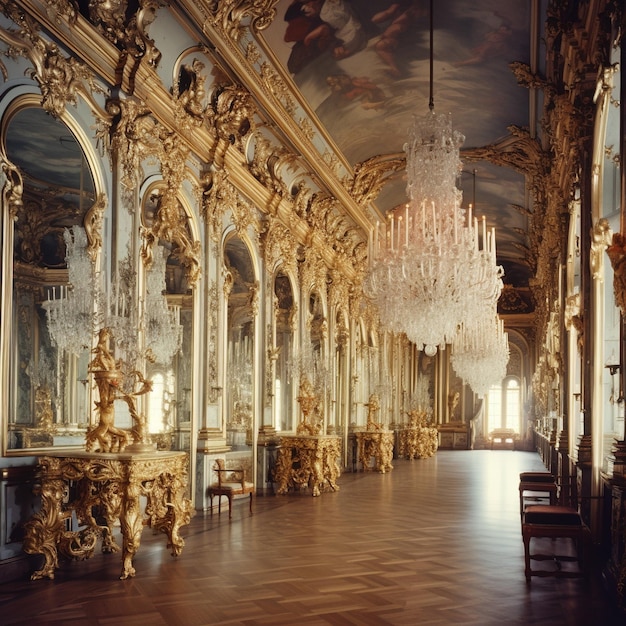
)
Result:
{"points": [[105, 436]]}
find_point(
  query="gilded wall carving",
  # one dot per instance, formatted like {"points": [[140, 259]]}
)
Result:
{"points": [[129, 33], [617, 256], [371, 176], [212, 369], [230, 14], [133, 138], [13, 188], [93, 224], [600, 239], [190, 94], [61, 79], [231, 119], [279, 246], [218, 194]]}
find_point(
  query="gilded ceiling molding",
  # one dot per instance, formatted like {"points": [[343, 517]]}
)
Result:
{"points": [[30, 227], [274, 84], [337, 241], [531, 80], [232, 16], [518, 151], [41, 213], [267, 163], [61, 9], [60, 79], [370, 176]]}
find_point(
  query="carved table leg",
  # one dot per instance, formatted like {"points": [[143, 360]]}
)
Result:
{"points": [[45, 528], [168, 509], [131, 524], [283, 469]]}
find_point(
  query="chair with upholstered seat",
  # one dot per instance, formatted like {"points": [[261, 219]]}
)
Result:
{"points": [[230, 483]]}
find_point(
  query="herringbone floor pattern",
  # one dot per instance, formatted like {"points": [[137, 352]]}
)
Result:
{"points": [[434, 542]]}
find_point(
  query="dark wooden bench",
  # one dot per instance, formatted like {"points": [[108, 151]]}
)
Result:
{"points": [[538, 488], [555, 522]]}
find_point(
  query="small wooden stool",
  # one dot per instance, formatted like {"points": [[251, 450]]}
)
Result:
{"points": [[555, 522], [536, 486]]}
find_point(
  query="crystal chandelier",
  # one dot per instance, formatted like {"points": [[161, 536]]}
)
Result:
{"points": [[480, 352], [164, 333], [70, 310], [430, 268]]}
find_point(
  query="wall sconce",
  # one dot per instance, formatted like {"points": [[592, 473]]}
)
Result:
{"points": [[614, 368]]}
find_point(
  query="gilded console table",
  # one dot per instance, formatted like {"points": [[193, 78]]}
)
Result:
{"points": [[377, 444], [418, 442], [102, 488], [308, 460]]}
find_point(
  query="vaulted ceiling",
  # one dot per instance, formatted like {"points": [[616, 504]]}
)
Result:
{"points": [[364, 69]]}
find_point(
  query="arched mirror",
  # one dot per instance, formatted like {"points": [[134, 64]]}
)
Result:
{"points": [[242, 304], [283, 378], [48, 389], [341, 392], [168, 327]]}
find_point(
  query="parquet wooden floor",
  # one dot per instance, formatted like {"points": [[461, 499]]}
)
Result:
{"points": [[434, 542]]}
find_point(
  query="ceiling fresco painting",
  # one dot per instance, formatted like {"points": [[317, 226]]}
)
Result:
{"points": [[364, 69]]}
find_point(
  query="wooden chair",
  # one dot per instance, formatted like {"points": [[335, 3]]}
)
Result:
{"points": [[230, 483]]}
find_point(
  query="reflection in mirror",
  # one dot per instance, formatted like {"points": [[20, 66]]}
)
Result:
{"points": [[283, 380], [169, 340], [49, 393], [320, 376], [242, 303], [341, 391]]}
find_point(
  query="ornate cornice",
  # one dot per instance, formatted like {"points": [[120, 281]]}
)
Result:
{"points": [[233, 16], [372, 175]]}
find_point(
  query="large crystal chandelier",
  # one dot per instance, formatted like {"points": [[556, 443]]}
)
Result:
{"points": [[70, 308], [430, 265], [480, 352]]}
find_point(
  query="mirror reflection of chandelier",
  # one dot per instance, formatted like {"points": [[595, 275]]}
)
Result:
{"points": [[164, 333], [70, 308]]}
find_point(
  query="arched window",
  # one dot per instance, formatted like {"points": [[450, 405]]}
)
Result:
{"points": [[504, 406]]}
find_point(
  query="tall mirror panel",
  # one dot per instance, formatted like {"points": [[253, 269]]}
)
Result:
{"points": [[51, 317]]}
